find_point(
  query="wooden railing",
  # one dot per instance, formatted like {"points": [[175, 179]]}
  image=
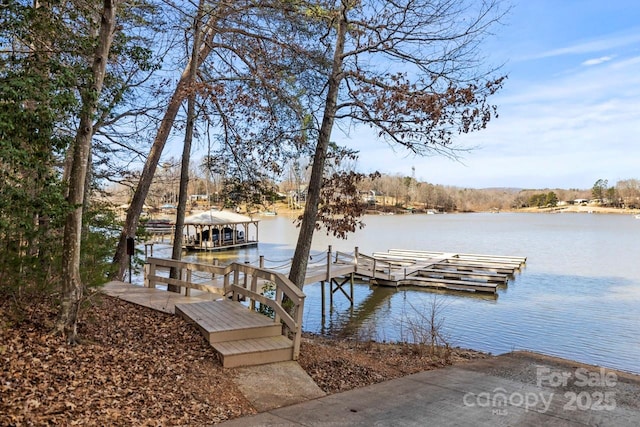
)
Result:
{"points": [[366, 265], [378, 268], [239, 282]]}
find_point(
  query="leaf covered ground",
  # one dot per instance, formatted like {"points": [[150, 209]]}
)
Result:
{"points": [[137, 366], [341, 365]]}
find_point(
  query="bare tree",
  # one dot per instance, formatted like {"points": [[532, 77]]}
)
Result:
{"points": [[409, 69], [146, 177], [629, 190], [72, 287], [176, 252], [247, 93]]}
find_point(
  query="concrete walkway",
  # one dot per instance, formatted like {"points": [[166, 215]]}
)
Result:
{"points": [[516, 389]]}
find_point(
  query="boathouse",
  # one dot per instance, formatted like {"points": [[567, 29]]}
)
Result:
{"points": [[215, 229]]}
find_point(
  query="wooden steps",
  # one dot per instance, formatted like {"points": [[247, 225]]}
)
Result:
{"points": [[240, 336], [255, 351]]}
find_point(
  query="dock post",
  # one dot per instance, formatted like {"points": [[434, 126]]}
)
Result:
{"points": [[148, 271], [261, 261], [329, 263], [146, 247], [356, 252], [215, 264], [351, 289], [323, 300]]}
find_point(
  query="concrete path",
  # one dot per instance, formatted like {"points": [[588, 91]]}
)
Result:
{"points": [[276, 385], [516, 389]]}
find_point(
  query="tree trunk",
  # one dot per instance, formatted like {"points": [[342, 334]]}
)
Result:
{"points": [[72, 287], [148, 172], [308, 225], [186, 150]]}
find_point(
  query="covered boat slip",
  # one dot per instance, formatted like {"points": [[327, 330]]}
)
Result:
{"points": [[216, 230]]}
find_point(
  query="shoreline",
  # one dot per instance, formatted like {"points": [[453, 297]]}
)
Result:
{"points": [[284, 210], [579, 209], [589, 209]]}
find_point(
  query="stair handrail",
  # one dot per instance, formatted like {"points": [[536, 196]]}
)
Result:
{"points": [[239, 281]]}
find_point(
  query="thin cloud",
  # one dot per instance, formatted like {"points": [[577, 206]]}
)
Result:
{"points": [[593, 46], [596, 61]]}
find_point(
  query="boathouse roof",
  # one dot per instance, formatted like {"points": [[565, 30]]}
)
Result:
{"points": [[217, 217]]}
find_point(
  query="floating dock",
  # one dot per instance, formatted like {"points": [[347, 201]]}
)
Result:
{"points": [[442, 270]]}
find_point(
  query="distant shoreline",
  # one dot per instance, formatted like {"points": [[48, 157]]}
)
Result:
{"points": [[580, 209], [281, 210]]}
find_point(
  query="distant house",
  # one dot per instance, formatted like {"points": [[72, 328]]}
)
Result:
{"points": [[581, 201], [216, 229], [199, 199]]}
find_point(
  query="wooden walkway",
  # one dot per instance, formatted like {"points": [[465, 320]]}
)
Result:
{"points": [[243, 321], [240, 336], [156, 299], [241, 332]]}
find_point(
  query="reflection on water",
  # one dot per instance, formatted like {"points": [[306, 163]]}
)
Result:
{"points": [[578, 296]]}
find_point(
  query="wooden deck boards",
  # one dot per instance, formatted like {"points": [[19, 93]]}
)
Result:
{"points": [[463, 266], [253, 345], [447, 270], [226, 320], [465, 285], [450, 274], [224, 315], [241, 336], [153, 298], [416, 253], [319, 274]]}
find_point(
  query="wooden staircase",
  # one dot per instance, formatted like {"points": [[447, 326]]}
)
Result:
{"points": [[240, 336], [236, 331]]}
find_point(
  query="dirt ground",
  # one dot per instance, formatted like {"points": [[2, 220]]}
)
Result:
{"points": [[137, 366]]}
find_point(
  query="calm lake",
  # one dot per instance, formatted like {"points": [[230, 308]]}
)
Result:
{"points": [[578, 296]]}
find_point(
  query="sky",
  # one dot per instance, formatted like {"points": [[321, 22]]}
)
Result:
{"points": [[569, 113]]}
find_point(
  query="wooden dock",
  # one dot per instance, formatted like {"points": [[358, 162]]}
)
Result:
{"points": [[442, 270], [261, 330], [402, 267]]}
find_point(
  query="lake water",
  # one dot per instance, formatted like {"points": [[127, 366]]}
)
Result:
{"points": [[578, 296]]}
